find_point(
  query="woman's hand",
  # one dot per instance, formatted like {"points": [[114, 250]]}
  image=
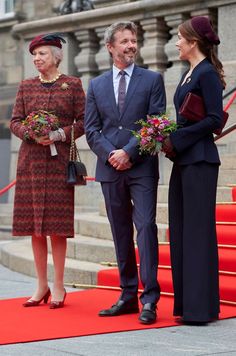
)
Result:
{"points": [[43, 140], [168, 148]]}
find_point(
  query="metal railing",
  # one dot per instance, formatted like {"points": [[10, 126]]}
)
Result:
{"points": [[231, 128], [225, 132]]}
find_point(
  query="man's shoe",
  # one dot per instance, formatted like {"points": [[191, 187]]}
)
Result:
{"points": [[148, 314], [121, 307]]}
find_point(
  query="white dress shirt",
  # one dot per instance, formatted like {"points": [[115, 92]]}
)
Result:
{"points": [[116, 78]]}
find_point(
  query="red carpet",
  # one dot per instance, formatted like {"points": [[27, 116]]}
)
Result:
{"points": [[77, 318]]}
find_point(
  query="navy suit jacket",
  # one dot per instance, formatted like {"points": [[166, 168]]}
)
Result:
{"points": [[107, 130], [194, 141]]}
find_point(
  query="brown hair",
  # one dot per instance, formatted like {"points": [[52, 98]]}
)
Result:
{"points": [[118, 26], [205, 46]]}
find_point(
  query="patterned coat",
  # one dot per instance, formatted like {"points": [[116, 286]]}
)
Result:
{"points": [[44, 204]]}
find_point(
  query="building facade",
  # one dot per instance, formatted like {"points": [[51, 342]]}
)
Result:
{"points": [[83, 24]]}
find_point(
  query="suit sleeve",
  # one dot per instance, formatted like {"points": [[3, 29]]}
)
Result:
{"points": [[93, 128], [211, 89], [156, 105]]}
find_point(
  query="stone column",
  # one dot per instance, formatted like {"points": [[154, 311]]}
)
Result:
{"points": [[227, 35], [174, 72], [85, 60], [155, 38], [227, 55], [103, 59]]}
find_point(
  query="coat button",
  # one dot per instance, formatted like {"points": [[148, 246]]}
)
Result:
{"points": [[120, 127]]}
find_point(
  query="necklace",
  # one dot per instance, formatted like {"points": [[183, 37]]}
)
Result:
{"points": [[49, 80]]}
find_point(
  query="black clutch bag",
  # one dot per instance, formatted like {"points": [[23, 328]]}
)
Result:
{"points": [[76, 171], [193, 109]]}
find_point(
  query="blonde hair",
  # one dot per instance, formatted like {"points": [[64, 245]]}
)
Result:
{"points": [[57, 54]]}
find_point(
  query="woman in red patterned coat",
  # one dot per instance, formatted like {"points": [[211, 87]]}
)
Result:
{"points": [[44, 203]]}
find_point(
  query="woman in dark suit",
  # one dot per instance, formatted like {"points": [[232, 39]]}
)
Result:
{"points": [[193, 182]]}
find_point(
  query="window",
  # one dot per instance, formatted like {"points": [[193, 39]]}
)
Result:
{"points": [[6, 8]]}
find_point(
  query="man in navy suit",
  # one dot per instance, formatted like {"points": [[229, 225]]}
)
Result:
{"points": [[128, 180]]}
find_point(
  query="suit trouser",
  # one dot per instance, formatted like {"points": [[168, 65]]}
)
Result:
{"points": [[131, 200], [194, 255]]}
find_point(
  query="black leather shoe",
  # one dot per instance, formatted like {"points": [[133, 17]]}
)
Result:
{"points": [[148, 314], [121, 307]]}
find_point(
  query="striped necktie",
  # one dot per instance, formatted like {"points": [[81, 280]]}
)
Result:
{"points": [[121, 91]]}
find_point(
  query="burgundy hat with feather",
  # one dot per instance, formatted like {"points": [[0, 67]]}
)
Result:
{"points": [[50, 39], [203, 26]]}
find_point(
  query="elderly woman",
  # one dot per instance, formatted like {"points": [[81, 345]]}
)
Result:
{"points": [[44, 203]]}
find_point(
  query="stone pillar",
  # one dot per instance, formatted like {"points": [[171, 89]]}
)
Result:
{"points": [[103, 59], [227, 35], [155, 38], [85, 60], [174, 72], [227, 55], [140, 40]]}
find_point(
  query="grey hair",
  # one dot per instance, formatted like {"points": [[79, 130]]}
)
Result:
{"points": [[57, 54], [118, 26]]}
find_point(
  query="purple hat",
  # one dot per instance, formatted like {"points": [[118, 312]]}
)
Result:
{"points": [[50, 39], [202, 25]]}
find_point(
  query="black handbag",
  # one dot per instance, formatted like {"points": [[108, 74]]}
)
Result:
{"points": [[76, 171]]}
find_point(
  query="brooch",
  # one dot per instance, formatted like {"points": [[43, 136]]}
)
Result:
{"points": [[64, 86], [188, 80]]}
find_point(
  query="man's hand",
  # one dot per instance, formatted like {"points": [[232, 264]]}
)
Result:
{"points": [[119, 159]]}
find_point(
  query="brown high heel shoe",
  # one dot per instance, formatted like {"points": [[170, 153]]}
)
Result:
{"points": [[56, 305], [35, 303]]}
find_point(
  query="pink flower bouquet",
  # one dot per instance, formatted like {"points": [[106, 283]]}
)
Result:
{"points": [[153, 132], [40, 123]]}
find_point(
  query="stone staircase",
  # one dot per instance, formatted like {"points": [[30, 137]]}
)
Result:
{"points": [[92, 246]]}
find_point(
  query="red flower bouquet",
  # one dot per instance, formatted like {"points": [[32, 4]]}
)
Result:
{"points": [[40, 123], [153, 132]]}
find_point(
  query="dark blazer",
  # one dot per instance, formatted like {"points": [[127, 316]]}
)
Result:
{"points": [[194, 142], [107, 130]]}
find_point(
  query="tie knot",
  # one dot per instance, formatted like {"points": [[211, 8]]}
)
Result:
{"points": [[122, 73]]}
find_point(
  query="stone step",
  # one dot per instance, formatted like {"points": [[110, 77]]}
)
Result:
{"points": [[161, 211], [229, 177], [95, 225], [18, 256], [5, 219], [87, 248], [228, 161], [223, 194], [6, 208], [5, 232]]}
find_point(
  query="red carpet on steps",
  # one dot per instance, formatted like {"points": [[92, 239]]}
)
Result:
{"points": [[226, 236]]}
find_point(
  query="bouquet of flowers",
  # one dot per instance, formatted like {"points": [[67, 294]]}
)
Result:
{"points": [[153, 132], [40, 123]]}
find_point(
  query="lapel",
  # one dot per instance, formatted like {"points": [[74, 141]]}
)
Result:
{"points": [[134, 81], [109, 91]]}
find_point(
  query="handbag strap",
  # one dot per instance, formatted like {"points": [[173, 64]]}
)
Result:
{"points": [[74, 152]]}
